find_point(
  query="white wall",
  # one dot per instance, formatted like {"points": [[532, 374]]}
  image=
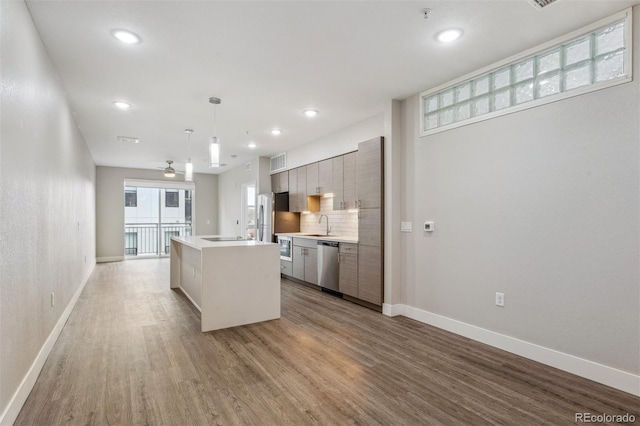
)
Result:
{"points": [[47, 213], [337, 143], [110, 206], [230, 196], [542, 205]]}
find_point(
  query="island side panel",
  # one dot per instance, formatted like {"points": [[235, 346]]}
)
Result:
{"points": [[241, 285], [191, 274], [174, 266]]}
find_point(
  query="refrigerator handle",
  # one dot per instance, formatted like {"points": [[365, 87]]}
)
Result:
{"points": [[259, 222]]}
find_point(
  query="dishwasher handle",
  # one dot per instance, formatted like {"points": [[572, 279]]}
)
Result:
{"points": [[328, 243]]}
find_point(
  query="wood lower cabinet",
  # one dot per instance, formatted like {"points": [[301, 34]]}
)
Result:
{"points": [[305, 260], [370, 274], [348, 269]]}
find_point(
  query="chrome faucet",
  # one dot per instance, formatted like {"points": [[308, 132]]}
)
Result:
{"points": [[327, 217]]}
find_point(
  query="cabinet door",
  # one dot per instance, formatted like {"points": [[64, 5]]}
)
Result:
{"points": [[325, 176], [293, 189], [297, 258], [348, 274], [311, 265], [337, 181], [301, 193], [369, 174], [275, 183], [284, 181], [349, 181], [312, 179], [370, 227], [370, 274]]}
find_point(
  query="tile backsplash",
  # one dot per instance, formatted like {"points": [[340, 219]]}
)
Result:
{"points": [[341, 222]]}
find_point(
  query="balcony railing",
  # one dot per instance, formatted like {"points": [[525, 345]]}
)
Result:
{"points": [[152, 238]]}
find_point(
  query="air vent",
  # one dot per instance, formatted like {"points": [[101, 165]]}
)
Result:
{"points": [[278, 163], [539, 4]]}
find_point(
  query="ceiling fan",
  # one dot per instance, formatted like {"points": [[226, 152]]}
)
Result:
{"points": [[169, 171]]}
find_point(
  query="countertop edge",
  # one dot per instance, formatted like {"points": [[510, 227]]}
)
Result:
{"points": [[337, 238]]}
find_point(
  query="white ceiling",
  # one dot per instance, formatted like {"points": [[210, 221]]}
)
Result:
{"points": [[267, 61]]}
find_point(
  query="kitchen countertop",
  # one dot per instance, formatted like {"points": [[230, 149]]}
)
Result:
{"points": [[199, 242], [337, 238]]}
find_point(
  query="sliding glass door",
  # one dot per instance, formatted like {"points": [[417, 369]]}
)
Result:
{"points": [[152, 216]]}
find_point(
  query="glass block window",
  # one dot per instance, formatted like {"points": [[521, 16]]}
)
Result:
{"points": [[588, 62]]}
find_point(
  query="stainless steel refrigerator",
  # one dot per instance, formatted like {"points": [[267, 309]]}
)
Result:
{"points": [[273, 216]]}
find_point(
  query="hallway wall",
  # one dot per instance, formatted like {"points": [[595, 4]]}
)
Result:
{"points": [[47, 213]]}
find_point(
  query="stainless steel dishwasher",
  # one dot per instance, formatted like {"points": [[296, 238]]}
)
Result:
{"points": [[328, 265]]}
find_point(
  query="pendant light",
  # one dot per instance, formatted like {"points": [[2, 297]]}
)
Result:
{"points": [[188, 167], [214, 143]]}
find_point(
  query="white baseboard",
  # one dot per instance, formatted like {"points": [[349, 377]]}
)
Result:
{"points": [[609, 376], [109, 259], [20, 396]]}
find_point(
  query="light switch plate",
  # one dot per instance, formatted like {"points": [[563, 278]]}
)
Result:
{"points": [[405, 226], [429, 226]]}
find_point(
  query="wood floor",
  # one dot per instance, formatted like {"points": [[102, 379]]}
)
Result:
{"points": [[132, 353]]}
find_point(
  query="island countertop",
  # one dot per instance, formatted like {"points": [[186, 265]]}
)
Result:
{"points": [[199, 242]]}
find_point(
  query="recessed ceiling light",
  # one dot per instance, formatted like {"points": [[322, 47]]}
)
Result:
{"points": [[126, 37], [122, 104], [252, 145], [276, 132], [128, 139], [310, 112], [447, 36]]}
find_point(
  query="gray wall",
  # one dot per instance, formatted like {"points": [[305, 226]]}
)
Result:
{"points": [[110, 206], [542, 205], [47, 188]]}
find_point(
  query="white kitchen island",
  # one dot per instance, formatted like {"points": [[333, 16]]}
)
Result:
{"points": [[231, 282]]}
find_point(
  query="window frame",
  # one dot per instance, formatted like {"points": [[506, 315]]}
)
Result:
{"points": [[622, 16], [135, 193], [166, 198]]}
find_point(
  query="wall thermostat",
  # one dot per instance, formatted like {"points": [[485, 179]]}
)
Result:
{"points": [[429, 227]]}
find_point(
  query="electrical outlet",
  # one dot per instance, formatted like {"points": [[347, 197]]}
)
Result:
{"points": [[405, 226], [499, 299], [429, 226], [53, 298]]}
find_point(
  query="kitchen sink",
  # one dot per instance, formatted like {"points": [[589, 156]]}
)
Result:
{"points": [[315, 235]]}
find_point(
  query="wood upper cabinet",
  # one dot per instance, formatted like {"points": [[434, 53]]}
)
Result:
{"points": [[280, 182], [325, 176], [344, 181], [312, 179], [369, 174], [293, 190], [349, 181], [301, 193], [320, 177], [337, 181]]}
